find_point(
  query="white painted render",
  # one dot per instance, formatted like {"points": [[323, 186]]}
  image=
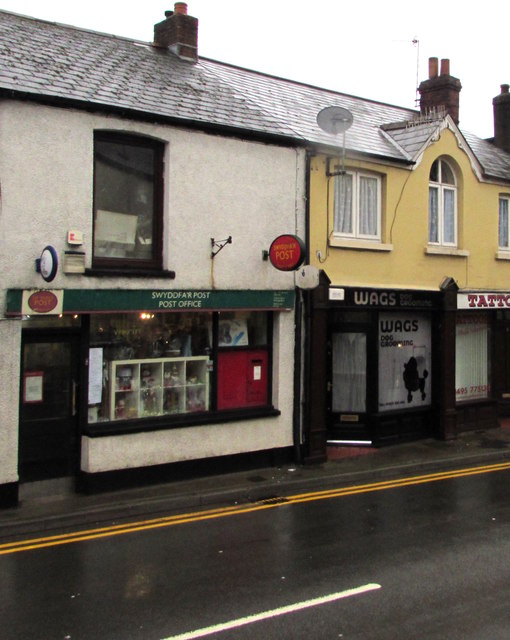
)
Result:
{"points": [[215, 187], [10, 339]]}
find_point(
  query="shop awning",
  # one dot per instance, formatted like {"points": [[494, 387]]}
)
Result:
{"points": [[72, 301]]}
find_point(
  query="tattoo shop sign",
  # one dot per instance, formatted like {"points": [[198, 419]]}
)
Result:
{"points": [[484, 300]]}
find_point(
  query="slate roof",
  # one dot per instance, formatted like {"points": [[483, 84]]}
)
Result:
{"points": [[298, 104], [495, 162], [57, 62], [412, 135]]}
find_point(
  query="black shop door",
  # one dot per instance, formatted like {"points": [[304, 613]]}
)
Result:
{"points": [[48, 439]]}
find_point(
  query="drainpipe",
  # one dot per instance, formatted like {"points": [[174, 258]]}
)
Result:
{"points": [[298, 353], [303, 401]]}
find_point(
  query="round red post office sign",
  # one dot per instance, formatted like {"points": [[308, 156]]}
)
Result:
{"points": [[42, 301], [287, 252]]}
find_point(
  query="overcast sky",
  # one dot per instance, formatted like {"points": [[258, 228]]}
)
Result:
{"points": [[361, 48]]}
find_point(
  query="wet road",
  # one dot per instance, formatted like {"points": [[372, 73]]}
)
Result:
{"points": [[427, 561]]}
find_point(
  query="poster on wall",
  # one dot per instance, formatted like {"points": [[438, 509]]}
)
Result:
{"points": [[404, 361], [233, 333]]}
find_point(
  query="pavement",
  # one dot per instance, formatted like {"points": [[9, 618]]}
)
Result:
{"points": [[54, 505]]}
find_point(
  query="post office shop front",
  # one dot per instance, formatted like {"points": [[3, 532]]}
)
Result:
{"points": [[149, 365], [157, 377]]}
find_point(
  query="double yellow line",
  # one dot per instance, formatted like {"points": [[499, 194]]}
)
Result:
{"points": [[168, 521]]}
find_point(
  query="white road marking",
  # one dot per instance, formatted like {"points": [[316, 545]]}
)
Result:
{"points": [[265, 615]]}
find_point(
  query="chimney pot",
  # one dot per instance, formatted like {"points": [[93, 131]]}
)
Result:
{"points": [[505, 88], [445, 67], [433, 67], [181, 8]]}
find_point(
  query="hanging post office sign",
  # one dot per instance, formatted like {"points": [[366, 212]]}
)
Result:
{"points": [[287, 253]]}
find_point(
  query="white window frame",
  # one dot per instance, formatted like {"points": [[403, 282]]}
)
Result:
{"points": [[442, 188], [504, 234], [355, 216]]}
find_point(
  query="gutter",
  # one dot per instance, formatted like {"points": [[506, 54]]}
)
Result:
{"points": [[153, 118], [207, 127]]}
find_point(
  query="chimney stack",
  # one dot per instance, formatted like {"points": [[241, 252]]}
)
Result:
{"points": [[178, 32], [501, 106], [440, 91]]}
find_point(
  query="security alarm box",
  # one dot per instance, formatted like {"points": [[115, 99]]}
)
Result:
{"points": [[242, 379]]}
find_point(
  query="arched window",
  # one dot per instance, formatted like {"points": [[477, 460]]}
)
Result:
{"points": [[442, 204]]}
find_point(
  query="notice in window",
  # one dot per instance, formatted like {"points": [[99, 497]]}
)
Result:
{"points": [[33, 386], [233, 333], [404, 361], [95, 375], [115, 227]]}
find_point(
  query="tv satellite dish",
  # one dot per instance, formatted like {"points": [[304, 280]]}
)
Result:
{"points": [[334, 120]]}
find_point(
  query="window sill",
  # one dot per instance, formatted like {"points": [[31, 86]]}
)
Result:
{"points": [[471, 401], [131, 273], [503, 255], [360, 245], [446, 251], [124, 427]]}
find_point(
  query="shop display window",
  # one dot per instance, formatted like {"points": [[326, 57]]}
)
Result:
{"points": [[149, 365], [472, 360], [405, 358]]}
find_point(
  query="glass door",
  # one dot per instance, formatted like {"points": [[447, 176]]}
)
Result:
{"points": [[48, 443], [348, 385], [349, 369]]}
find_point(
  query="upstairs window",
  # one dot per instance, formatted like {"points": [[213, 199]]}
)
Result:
{"points": [[504, 236], [442, 205], [128, 196], [357, 212]]}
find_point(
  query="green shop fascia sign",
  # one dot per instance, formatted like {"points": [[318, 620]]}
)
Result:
{"points": [[71, 301]]}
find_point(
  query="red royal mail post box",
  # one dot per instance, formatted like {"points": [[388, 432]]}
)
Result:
{"points": [[242, 379]]}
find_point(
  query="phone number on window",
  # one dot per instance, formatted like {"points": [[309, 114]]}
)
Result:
{"points": [[473, 390]]}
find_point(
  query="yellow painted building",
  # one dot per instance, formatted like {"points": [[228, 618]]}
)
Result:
{"points": [[409, 326], [402, 256]]}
